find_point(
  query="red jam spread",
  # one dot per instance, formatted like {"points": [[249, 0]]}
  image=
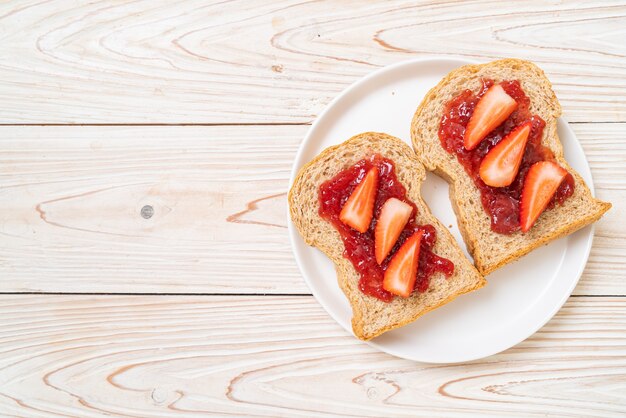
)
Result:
{"points": [[359, 247], [501, 203]]}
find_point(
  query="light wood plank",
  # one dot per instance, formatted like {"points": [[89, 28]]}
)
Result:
{"points": [[268, 356], [243, 61], [71, 200], [605, 149]]}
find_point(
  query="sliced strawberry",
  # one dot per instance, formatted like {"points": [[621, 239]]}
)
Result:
{"points": [[358, 210], [542, 181], [393, 217], [492, 109], [501, 164], [402, 270]]}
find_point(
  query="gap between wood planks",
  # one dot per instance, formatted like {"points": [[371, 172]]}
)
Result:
{"points": [[218, 124], [156, 294], [168, 124], [215, 294]]}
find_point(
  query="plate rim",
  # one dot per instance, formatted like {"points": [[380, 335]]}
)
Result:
{"points": [[293, 233]]}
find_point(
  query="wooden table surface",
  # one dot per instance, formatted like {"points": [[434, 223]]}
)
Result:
{"points": [[145, 150]]}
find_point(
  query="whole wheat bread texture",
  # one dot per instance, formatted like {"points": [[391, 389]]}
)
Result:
{"points": [[372, 317], [489, 249]]}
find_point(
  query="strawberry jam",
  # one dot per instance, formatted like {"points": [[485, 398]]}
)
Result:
{"points": [[359, 247], [500, 203]]}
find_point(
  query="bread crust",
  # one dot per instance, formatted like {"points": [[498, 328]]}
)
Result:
{"points": [[491, 250], [372, 317]]}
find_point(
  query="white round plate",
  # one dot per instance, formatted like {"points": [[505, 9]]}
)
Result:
{"points": [[519, 298]]}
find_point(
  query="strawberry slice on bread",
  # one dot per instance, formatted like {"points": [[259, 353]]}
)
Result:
{"points": [[401, 273], [359, 208], [492, 109], [542, 181], [501, 164], [394, 215]]}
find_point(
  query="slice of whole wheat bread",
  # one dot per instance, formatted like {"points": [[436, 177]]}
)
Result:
{"points": [[371, 316], [489, 249]]}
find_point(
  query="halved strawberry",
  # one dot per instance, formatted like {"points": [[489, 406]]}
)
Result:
{"points": [[393, 217], [492, 109], [542, 181], [501, 164], [402, 270], [358, 210]]}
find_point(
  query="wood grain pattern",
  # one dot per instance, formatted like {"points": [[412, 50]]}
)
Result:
{"points": [[268, 356], [72, 198], [238, 62]]}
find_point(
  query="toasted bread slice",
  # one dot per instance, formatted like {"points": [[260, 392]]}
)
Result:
{"points": [[489, 249], [372, 317]]}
